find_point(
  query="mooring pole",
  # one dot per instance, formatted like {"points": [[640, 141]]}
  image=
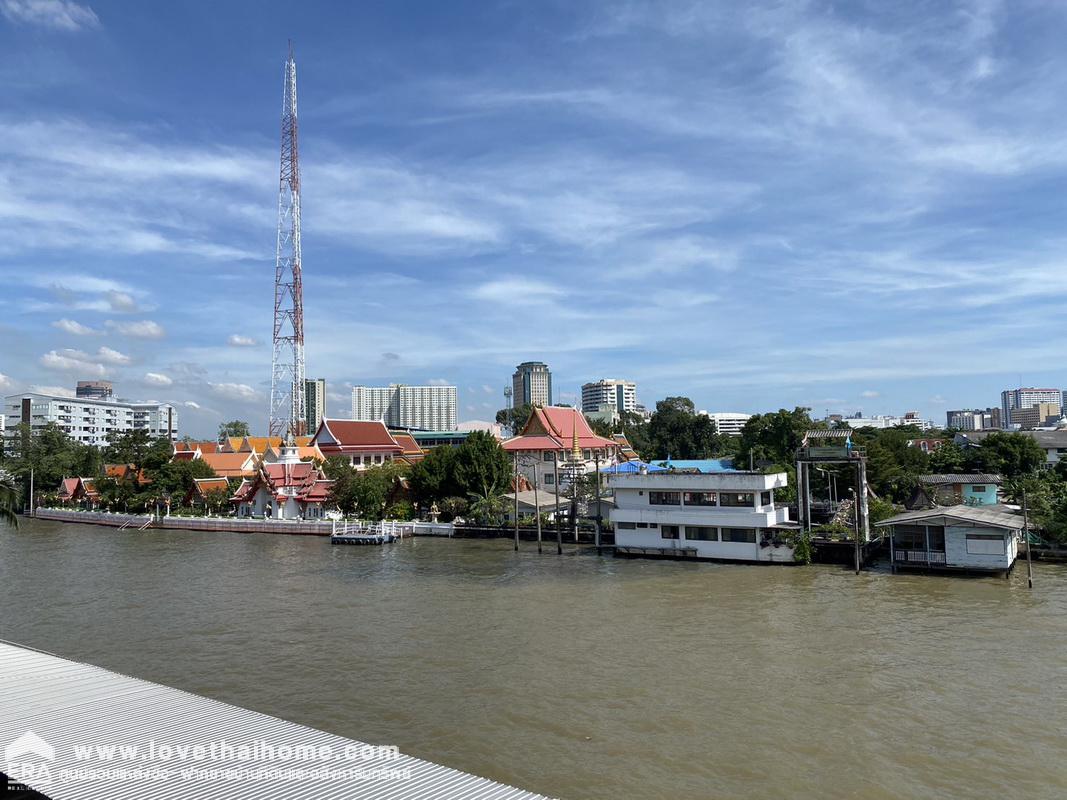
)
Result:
{"points": [[856, 519], [597, 464], [515, 488], [1026, 535], [555, 478], [537, 510], [33, 506]]}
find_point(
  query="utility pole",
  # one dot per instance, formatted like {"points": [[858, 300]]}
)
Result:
{"points": [[287, 417], [555, 478], [1026, 535], [515, 488]]}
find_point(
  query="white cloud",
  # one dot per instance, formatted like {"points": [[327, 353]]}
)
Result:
{"points": [[73, 361], [5, 381], [62, 15], [157, 379], [237, 340], [74, 328], [235, 391], [121, 302], [870, 393], [515, 290], [439, 382], [59, 391], [487, 388], [191, 404], [144, 329], [109, 356]]}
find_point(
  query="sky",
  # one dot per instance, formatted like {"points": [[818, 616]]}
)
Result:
{"points": [[846, 206]]}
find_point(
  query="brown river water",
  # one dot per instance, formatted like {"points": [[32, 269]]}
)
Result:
{"points": [[580, 676]]}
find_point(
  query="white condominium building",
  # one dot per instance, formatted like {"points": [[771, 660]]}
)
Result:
{"points": [[89, 421], [728, 423], [609, 391], [429, 408]]}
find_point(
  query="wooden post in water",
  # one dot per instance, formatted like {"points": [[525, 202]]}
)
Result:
{"points": [[537, 510], [515, 488], [856, 520], [555, 478], [596, 457], [33, 505], [1026, 535]]}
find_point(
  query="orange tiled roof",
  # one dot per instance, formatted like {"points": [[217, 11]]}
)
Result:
{"points": [[231, 465]]}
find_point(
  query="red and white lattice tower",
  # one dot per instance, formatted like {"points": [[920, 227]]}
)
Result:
{"points": [[287, 373]]}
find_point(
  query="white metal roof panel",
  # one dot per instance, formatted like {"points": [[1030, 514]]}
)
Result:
{"points": [[69, 704]]}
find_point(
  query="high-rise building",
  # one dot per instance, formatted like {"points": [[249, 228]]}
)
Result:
{"points": [[974, 419], [96, 390], [609, 391], [428, 408], [314, 404], [1011, 399], [1039, 415], [89, 420], [532, 384]]}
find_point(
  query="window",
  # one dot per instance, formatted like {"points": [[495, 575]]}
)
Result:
{"points": [[625, 526], [739, 534], [664, 498], [366, 459], [978, 489], [701, 534], [668, 531], [700, 498], [766, 498], [550, 478], [985, 544], [546, 455], [737, 499], [378, 458]]}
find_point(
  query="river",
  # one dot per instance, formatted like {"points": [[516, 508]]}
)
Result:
{"points": [[579, 676]]}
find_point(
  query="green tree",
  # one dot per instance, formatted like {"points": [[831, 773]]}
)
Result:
{"points": [[677, 431], [482, 468], [235, 427], [8, 500], [48, 453], [136, 447], [434, 477], [773, 438], [1009, 454], [600, 427]]}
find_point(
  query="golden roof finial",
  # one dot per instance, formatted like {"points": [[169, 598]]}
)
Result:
{"points": [[576, 451]]}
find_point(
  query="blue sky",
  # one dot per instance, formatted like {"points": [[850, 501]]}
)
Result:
{"points": [[847, 206]]}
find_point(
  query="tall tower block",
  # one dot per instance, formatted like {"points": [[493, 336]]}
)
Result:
{"points": [[287, 413]]}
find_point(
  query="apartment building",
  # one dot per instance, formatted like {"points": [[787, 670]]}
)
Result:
{"points": [[531, 384], [427, 408], [609, 392], [87, 420], [1025, 397]]}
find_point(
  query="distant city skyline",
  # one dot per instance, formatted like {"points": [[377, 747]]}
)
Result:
{"points": [[733, 202]]}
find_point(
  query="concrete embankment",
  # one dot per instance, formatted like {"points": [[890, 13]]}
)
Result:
{"points": [[186, 523]]}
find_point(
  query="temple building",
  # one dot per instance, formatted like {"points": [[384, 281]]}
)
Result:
{"points": [[289, 489], [546, 443]]}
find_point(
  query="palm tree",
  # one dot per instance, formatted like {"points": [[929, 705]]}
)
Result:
{"points": [[8, 501]]}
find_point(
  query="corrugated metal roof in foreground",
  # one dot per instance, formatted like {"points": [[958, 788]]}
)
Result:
{"points": [[68, 704]]}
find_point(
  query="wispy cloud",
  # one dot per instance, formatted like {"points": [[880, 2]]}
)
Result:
{"points": [[237, 340], [68, 360], [159, 379], [62, 15], [144, 329], [74, 328]]}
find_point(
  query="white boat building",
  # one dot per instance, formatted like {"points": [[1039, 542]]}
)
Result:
{"points": [[727, 516]]}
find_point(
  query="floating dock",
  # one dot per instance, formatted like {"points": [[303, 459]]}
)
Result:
{"points": [[56, 714]]}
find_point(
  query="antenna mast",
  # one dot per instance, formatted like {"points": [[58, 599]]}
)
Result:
{"points": [[287, 366]]}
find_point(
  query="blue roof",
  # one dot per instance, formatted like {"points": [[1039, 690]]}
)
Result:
{"points": [[705, 465], [631, 466]]}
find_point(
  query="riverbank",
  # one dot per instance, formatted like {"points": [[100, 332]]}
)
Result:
{"points": [[220, 524]]}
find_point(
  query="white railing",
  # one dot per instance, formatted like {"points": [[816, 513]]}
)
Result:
{"points": [[919, 557], [383, 528]]}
